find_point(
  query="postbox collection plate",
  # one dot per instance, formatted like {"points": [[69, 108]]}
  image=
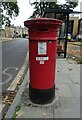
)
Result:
{"points": [[42, 58], [42, 48]]}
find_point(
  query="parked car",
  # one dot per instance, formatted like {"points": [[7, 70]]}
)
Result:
{"points": [[79, 37], [25, 35]]}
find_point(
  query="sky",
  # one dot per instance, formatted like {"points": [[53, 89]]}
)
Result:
{"points": [[26, 11]]}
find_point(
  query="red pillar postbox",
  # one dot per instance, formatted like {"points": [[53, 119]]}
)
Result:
{"points": [[42, 58]]}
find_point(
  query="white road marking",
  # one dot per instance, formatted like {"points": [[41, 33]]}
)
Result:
{"points": [[19, 75], [7, 74]]}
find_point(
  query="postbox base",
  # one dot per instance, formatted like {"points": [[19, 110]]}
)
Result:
{"points": [[41, 96]]}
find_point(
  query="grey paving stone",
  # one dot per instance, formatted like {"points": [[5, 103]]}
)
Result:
{"points": [[80, 78], [70, 108], [75, 78], [63, 78], [64, 90], [62, 63], [77, 66], [67, 70], [75, 89], [59, 71], [30, 112], [58, 66], [81, 68]]}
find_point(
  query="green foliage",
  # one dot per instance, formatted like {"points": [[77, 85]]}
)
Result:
{"points": [[8, 11], [40, 7], [16, 110], [70, 5]]}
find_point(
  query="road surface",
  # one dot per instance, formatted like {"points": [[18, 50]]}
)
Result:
{"points": [[13, 56]]}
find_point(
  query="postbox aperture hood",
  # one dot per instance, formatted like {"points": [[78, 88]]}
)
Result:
{"points": [[40, 22]]}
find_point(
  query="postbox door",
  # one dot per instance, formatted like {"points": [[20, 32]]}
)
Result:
{"points": [[43, 58]]}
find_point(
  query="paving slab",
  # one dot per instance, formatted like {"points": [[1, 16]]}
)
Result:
{"points": [[64, 90], [63, 78], [69, 108], [69, 70], [67, 67], [80, 78], [77, 66], [75, 89], [31, 112], [81, 69], [75, 78]]}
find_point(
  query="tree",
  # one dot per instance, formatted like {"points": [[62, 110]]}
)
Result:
{"points": [[40, 7], [8, 10]]}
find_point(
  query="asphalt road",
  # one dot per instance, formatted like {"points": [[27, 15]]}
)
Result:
{"points": [[13, 57]]}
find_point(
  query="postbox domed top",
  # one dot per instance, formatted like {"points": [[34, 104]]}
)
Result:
{"points": [[43, 22]]}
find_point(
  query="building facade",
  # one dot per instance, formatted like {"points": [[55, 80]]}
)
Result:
{"points": [[16, 31], [81, 9], [73, 25], [80, 27], [2, 33]]}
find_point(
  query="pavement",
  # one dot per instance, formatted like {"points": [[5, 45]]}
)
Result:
{"points": [[3, 39], [67, 101], [76, 43]]}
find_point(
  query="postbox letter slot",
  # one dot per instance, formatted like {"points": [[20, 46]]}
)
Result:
{"points": [[43, 29]]}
